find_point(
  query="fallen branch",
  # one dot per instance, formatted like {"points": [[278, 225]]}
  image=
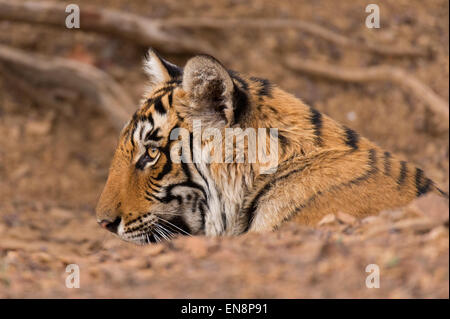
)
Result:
{"points": [[160, 33], [376, 73], [140, 30], [44, 76], [307, 27]]}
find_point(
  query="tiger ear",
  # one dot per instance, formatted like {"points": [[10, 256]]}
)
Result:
{"points": [[209, 88], [160, 70]]}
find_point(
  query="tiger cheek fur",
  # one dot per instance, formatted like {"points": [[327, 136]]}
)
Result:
{"points": [[321, 166]]}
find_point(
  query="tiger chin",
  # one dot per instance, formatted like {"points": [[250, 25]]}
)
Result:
{"points": [[322, 167]]}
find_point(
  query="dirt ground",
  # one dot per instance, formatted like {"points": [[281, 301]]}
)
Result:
{"points": [[54, 162]]}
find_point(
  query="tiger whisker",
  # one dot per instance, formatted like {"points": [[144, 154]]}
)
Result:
{"points": [[167, 231], [171, 229], [176, 227], [161, 233], [160, 230]]}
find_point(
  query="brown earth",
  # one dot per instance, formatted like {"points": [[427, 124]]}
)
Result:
{"points": [[54, 162]]}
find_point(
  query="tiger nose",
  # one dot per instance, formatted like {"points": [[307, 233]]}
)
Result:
{"points": [[112, 226]]}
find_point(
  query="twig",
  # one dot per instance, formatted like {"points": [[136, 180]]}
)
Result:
{"points": [[376, 73], [90, 82], [129, 26]]}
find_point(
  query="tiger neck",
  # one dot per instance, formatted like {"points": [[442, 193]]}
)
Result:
{"points": [[228, 185]]}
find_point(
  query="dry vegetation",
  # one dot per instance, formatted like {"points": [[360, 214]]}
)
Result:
{"points": [[56, 142]]}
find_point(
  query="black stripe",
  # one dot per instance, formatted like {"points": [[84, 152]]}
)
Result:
{"points": [[224, 220], [191, 145], [403, 172], [241, 81], [140, 133], [159, 107], [265, 86], [203, 177], [251, 209], [149, 185], [154, 184], [162, 90], [149, 196], [202, 213], [132, 138], [372, 163], [351, 138], [194, 203], [189, 181], [153, 135], [170, 98], [423, 184], [173, 70], [316, 121], [282, 139], [174, 81], [241, 104], [135, 220], [168, 165], [133, 124], [387, 163], [150, 119]]}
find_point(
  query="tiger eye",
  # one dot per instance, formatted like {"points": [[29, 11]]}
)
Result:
{"points": [[152, 152]]}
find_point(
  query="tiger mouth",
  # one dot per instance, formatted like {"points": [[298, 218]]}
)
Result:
{"points": [[145, 238], [156, 231]]}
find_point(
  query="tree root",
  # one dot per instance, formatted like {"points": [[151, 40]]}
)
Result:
{"points": [[45, 77], [140, 30], [307, 27], [160, 33], [436, 104]]}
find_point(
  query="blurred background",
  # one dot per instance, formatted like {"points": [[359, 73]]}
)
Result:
{"points": [[65, 93]]}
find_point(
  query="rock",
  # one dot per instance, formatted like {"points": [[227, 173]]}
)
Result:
{"points": [[433, 206], [438, 232], [415, 224], [392, 215], [371, 220], [153, 250], [328, 219], [346, 218]]}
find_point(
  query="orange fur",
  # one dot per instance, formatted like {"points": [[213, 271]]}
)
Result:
{"points": [[323, 168]]}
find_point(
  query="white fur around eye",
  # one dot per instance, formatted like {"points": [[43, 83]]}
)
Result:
{"points": [[142, 128], [153, 162]]}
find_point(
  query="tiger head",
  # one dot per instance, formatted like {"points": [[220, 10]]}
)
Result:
{"points": [[148, 197]]}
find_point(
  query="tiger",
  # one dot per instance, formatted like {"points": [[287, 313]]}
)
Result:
{"points": [[322, 167]]}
